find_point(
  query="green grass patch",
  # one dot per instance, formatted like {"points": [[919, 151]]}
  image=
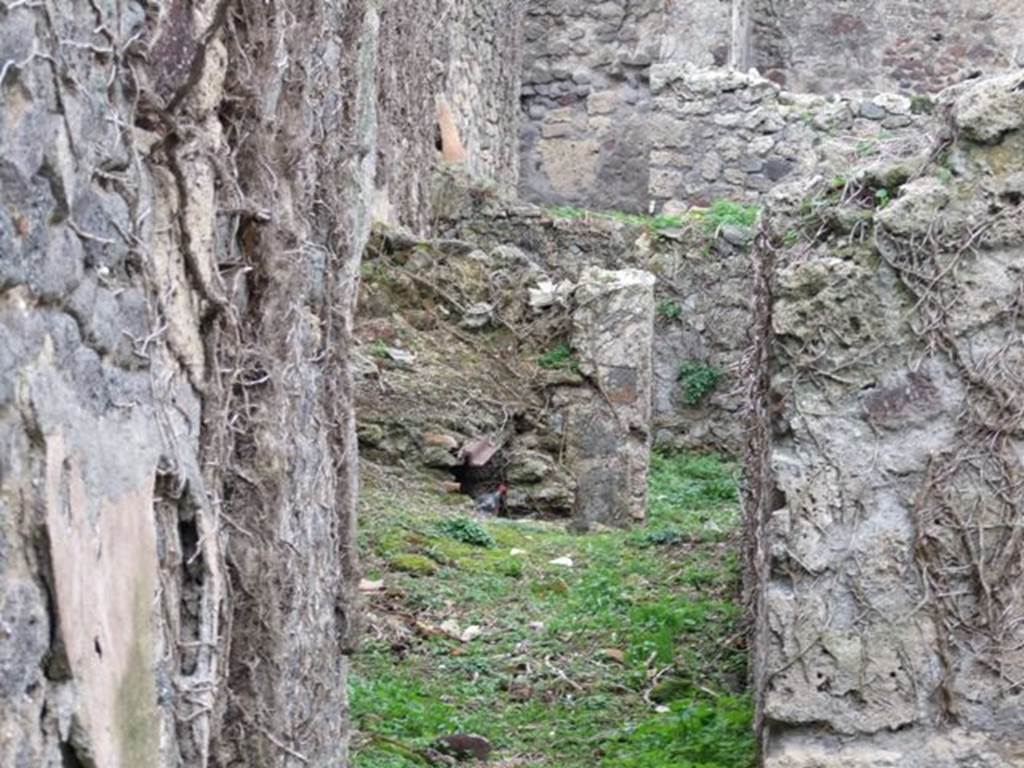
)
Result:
{"points": [[654, 223], [693, 734], [565, 655], [467, 531], [710, 219]]}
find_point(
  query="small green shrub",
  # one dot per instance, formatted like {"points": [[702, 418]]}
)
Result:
{"points": [[558, 358], [882, 197], [467, 531], [660, 537], [698, 380], [669, 310]]}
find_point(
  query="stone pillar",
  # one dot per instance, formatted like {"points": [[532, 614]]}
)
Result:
{"points": [[608, 426]]}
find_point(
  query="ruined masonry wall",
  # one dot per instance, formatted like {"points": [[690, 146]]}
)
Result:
{"points": [[470, 53], [887, 487], [185, 195], [598, 131], [586, 95], [710, 134], [707, 278], [722, 135], [608, 431]]}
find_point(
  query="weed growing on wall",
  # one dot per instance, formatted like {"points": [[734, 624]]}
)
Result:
{"points": [[654, 223], [723, 212], [558, 358], [669, 310], [698, 380], [378, 349]]}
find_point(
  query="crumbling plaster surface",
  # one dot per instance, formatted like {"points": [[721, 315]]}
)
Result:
{"points": [[889, 503]]}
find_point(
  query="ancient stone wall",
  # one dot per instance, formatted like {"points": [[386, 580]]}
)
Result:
{"points": [[586, 94], [885, 477], [608, 429], [186, 194], [721, 135], [481, 364], [702, 135], [906, 46], [701, 293], [468, 54], [600, 131]]}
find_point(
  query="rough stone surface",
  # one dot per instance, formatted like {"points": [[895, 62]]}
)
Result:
{"points": [[701, 292], [569, 438], [888, 488], [705, 135], [594, 126], [586, 96], [468, 52], [185, 194]]}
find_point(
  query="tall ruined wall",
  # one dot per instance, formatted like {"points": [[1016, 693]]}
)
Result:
{"points": [[600, 131], [186, 193], [885, 476], [467, 53], [178, 465], [586, 92], [910, 46], [708, 134]]}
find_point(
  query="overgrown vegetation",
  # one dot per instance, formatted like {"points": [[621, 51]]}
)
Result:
{"points": [[631, 657], [710, 220], [698, 380], [655, 223], [378, 349], [723, 212]]}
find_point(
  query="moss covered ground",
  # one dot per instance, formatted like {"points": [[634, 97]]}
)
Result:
{"points": [[631, 657]]}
